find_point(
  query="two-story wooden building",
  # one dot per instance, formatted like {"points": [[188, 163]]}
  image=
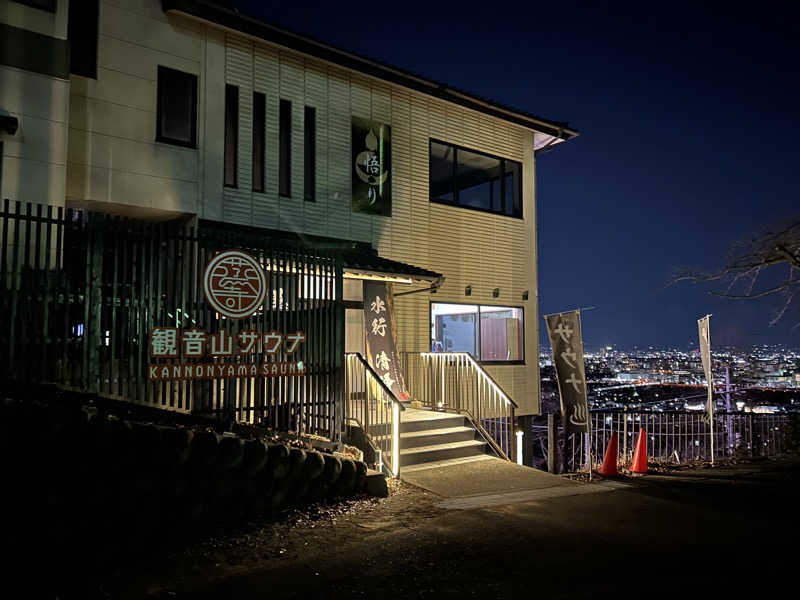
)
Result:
{"points": [[186, 112]]}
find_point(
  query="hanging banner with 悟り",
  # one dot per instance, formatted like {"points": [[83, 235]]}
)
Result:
{"points": [[382, 353], [372, 165], [567, 344]]}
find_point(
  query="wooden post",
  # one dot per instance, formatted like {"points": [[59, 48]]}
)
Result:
{"points": [[94, 299], [525, 423], [338, 424]]}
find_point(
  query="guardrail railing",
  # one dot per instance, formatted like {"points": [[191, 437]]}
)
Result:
{"points": [[673, 437], [373, 407], [454, 381]]}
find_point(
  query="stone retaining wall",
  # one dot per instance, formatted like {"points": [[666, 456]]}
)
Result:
{"points": [[78, 480]]}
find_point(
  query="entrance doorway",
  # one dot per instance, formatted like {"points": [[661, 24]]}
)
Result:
{"points": [[354, 330]]}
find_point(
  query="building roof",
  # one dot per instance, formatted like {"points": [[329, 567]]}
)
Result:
{"points": [[212, 12], [359, 259]]}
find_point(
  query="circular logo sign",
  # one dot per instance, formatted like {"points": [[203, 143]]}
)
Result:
{"points": [[234, 284]]}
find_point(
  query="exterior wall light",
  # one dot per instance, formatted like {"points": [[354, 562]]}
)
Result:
{"points": [[8, 124], [525, 295], [496, 293], [468, 290]]}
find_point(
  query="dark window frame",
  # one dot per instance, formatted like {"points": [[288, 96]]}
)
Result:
{"points": [[285, 148], [309, 154], [162, 70], [82, 31], [259, 141], [478, 344], [231, 137], [46, 5], [455, 203]]}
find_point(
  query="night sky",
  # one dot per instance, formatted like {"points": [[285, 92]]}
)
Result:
{"points": [[688, 121]]}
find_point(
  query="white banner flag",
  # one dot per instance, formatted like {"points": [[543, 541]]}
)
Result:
{"points": [[704, 333]]}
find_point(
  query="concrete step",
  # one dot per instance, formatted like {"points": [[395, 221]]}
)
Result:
{"points": [[430, 437], [421, 420], [435, 464], [425, 454]]}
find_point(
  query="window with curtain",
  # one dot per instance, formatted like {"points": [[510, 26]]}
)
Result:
{"points": [[488, 333]]}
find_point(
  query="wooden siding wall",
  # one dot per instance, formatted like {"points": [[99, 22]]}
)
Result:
{"points": [[469, 247]]}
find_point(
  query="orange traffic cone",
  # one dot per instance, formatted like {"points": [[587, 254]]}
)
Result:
{"points": [[609, 468], [640, 454]]}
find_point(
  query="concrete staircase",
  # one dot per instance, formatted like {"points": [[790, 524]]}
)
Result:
{"points": [[432, 439]]}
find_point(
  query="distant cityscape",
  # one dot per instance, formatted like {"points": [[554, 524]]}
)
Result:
{"points": [[762, 379]]}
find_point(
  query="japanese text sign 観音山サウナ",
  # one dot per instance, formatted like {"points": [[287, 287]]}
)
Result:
{"points": [[235, 286]]}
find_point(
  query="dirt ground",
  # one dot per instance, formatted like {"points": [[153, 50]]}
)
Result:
{"points": [[724, 531], [298, 541]]}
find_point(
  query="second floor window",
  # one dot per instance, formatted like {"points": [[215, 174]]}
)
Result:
{"points": [[231, 134], [471, 179], [310, 149], [48, 5], [82, 33], [259, 122], [176, 113], [285, 149]]}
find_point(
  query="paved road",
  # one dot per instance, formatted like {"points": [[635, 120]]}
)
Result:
{"points": [[713, 533]]}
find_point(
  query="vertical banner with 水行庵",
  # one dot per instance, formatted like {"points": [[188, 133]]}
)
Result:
{"points": [[567, 344], [381, 346]]}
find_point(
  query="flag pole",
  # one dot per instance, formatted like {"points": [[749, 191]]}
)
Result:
{"points": [[710, 383], [564, 312], [588, 410]]}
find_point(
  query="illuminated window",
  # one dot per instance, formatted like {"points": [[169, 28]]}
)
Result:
{"points": [[472, 179], [488, 333]]}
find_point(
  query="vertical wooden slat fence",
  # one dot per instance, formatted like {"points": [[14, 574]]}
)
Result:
{"points": [[80, 292]]}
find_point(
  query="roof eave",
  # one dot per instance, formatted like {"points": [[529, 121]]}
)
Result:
{"points": [[385, 276], [231, 19]]}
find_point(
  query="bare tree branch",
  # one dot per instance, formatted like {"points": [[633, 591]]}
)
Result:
{"points": [[783, 310], [751, 261], [783, 286]]}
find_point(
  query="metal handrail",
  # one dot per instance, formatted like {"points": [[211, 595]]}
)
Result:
{"points": [[375, 418], [486, 435], [477, 366], [454, 381], [377, 377]]}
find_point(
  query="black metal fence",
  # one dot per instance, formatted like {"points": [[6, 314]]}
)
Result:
{"points": [[80, 292]]}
